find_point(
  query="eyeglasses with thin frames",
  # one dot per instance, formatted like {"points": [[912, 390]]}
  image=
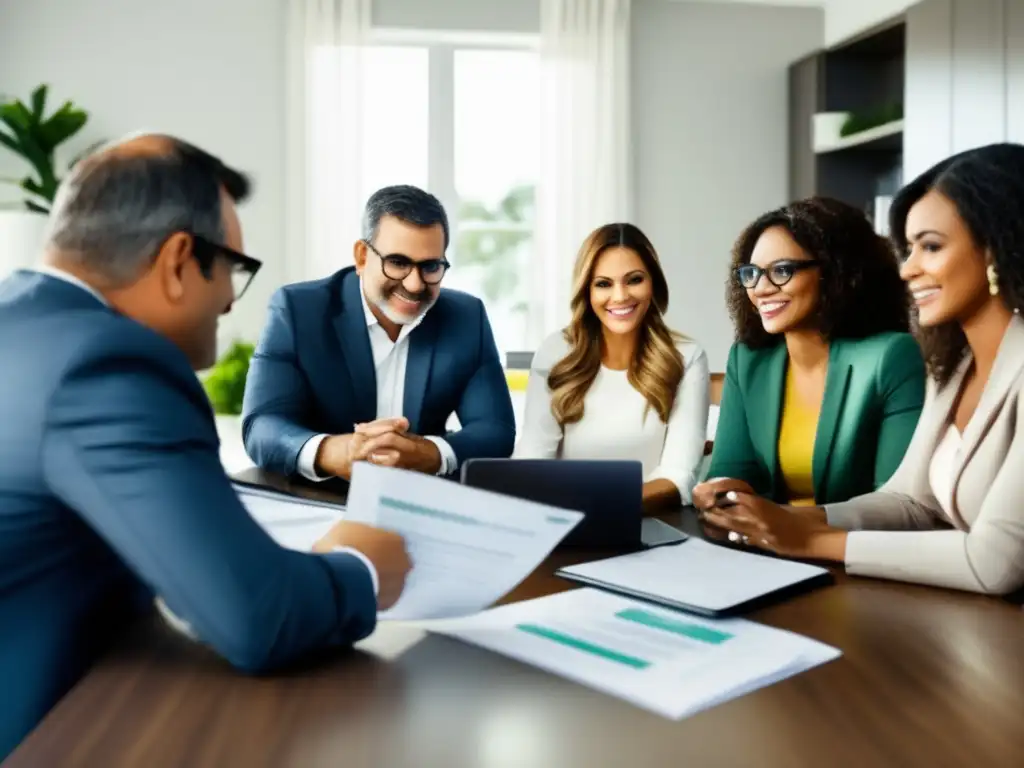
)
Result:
{"points": [[395, 266], [778, 273]]}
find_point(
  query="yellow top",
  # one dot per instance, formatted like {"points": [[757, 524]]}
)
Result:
{"points": [[796, 446]]}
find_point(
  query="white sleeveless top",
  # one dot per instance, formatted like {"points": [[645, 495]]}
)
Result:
{"points": [[940, 471]]}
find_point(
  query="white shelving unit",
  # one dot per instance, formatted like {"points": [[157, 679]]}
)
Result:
{"points": [[863, 137]]}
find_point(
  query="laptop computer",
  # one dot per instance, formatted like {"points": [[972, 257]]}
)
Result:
{"points": [[608, 493]]}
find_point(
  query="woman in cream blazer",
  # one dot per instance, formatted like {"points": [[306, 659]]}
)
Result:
{"points": [[952, 515]]}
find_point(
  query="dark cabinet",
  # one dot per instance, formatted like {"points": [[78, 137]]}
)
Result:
{"points": [[858, 88], [805, 81]]}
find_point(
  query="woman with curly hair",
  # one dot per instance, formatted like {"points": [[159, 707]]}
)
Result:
{"points": [[825, 384], [952, 515], [617, 383]]}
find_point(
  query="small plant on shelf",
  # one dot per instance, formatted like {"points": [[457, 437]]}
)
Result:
{"points": [[865, 120], [225, 382]]}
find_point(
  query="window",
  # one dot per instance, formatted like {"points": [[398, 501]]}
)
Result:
{"points": [[362, 138], [461, 118], [391, 133], [497, 153], [395, 130]]}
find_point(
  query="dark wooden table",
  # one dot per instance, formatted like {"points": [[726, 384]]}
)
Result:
{"points": [[928, 678]]}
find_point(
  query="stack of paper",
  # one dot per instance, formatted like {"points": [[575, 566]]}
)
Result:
{"points": [[292, 522], [668, 662]]}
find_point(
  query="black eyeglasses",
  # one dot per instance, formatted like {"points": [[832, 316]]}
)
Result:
{"points": [[397, 267], [243, 268], [779, 273]]}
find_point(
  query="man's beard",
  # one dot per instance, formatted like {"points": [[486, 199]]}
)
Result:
{"points": [[424, 297]]}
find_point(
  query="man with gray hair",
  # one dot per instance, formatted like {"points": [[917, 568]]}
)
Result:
{"points": [[111, 487], [369, 363]]}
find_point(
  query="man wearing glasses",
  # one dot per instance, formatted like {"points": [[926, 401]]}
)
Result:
{"points": [[111, 486], [370, 363]]}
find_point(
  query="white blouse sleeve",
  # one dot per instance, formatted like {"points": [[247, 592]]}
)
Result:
{"points": [[541, 433], [683, 451]]}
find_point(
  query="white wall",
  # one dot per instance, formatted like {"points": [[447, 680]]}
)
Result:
{"points": [[709, 105], [845, 18], [461, 15], [965, 78], [710, 135], [211, 72]]}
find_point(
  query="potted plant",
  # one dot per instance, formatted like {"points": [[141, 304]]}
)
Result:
{"points": [[225, 387], [34, 137], [865, 120]]}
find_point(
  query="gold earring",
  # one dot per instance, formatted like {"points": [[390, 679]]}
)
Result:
{"points": [[993, 279]]}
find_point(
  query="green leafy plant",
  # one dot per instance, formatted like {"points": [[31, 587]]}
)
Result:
{"points": [[225, 382], [867, 119], [30, 134]]}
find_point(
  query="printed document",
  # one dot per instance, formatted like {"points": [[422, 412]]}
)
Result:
{"points": [[662, 660], [292, 522], [694, 574], [468, 547]]}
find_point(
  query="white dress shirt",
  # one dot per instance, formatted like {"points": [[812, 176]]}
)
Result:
{"points": [[60, 274], [390, 359], [614, 423]]}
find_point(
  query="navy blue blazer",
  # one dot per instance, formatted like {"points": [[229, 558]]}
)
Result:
{"points": [[313, 373], [112, 490]]}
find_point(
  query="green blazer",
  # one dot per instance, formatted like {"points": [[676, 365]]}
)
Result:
{"points": [[874, 391]]}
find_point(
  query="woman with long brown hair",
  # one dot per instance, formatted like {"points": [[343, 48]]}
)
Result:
{"points": [[617, 383]]}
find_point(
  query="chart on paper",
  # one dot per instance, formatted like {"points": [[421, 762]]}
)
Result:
{"points": [[468, 547], [666, 661], [633, 637]]}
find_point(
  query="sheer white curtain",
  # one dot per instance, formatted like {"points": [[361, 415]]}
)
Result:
{"points": [[326, 51], [586, 173]]}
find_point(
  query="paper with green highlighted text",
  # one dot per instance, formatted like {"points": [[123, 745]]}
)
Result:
{"points": [[668, 662], [469, 548]]}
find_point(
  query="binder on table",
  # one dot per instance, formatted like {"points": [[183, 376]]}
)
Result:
{"points": [[701, 578]]}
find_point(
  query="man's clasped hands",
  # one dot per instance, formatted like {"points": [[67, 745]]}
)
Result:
{"points": [[386, 442]]}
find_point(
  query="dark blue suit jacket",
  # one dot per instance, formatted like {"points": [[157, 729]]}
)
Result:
{"points": [[313, 373], [111, 491]]}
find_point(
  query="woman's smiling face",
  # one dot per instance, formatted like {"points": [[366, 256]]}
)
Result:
{"points": [[620, 290], [944, 268], [782, 282]]}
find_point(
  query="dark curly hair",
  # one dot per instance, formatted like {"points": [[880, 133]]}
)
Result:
{"points": [[986, 185], [861, 290]]}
